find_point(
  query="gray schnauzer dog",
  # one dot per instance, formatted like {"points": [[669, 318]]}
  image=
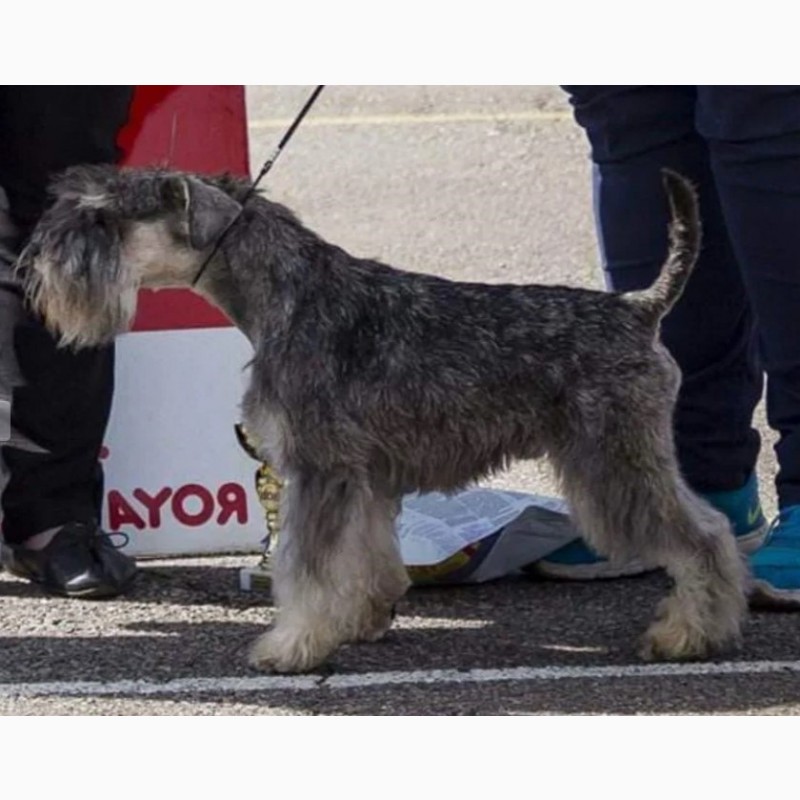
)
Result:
{"points": [[369, 382]]}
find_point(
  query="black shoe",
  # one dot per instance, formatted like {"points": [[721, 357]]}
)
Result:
{"points": [[80, 561]]}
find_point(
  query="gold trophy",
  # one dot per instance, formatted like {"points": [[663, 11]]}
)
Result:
{"points": [[268, 489]]}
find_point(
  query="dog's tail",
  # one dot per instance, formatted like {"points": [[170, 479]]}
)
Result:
{"points": [[684, 247]]}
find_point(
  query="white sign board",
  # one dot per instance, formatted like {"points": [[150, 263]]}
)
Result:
{"points": [[177, 481]]}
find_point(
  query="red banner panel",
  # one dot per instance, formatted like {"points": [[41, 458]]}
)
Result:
{"points": [[197, 129]]}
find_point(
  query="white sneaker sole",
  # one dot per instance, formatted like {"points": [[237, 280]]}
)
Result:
{"points": [[762, 595]]}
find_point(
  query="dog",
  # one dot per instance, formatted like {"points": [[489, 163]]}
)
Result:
{"points": [[368, 382]]}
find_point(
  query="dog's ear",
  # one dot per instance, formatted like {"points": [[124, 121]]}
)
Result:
{"points": [[209, 212]]}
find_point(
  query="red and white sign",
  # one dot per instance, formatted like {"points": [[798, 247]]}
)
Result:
{"points": [[176, 480]]}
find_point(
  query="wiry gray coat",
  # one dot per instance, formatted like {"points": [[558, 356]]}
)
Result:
{"points": [[368, 382]]}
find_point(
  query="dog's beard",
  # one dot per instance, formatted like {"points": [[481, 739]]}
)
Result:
{"points": [[80, 319]]}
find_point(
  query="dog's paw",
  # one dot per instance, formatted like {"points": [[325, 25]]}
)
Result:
{"points": [[664, 642], [281, 651], [672, 637], [377, 624], [375, 632]]}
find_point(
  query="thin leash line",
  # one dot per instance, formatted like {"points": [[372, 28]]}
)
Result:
{"points": [[272, 158]]}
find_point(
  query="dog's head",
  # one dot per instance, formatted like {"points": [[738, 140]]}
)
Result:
{"points": [[110, 232]]}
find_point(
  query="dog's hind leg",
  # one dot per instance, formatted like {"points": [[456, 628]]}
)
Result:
{"points": [[629, 499], [704, 612], [337, 573]]}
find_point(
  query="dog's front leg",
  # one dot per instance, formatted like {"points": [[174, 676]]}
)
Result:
{"points": [[337, 571]]}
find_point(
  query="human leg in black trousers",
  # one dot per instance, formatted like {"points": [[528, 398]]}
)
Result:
{"points": [[634, 132], [60, 399]]}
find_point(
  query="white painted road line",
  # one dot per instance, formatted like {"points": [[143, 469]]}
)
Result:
{"points": [[414, 119], [366, 680]]}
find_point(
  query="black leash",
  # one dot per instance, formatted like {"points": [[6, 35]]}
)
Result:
{"points": [[264, 170]]}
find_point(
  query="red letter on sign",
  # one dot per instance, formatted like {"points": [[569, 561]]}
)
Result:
{"points": [[120, 512], [207, 501], [153, 504], [232, 500]]}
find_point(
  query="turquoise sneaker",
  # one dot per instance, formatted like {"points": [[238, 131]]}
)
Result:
{"points": [[776, 566], [743, 508], [576, 561]]}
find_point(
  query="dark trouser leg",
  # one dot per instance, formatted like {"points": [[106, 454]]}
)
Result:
{"points": [[634, 132], [753, 135], [62, 407]]}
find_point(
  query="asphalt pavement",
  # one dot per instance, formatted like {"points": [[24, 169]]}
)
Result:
{"points": [[476, 183]]}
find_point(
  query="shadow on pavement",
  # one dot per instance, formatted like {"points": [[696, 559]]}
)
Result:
{"points": [[508, 623]]}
